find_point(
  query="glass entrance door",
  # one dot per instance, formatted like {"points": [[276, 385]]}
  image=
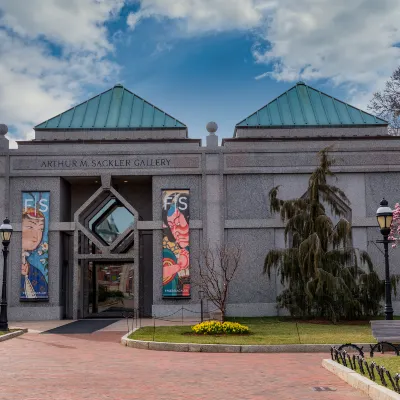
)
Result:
{"points": [[110, 288]]}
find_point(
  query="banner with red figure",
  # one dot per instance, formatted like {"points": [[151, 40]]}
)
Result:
{"points": [[176, 251]]}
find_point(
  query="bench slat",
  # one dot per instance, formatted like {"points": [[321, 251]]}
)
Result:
{"points": [[386, 331]]}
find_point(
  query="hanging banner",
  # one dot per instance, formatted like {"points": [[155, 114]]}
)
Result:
{"points": [[176, 253], [35, 246]]}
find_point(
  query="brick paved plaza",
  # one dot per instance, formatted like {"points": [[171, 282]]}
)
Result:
{"points": [[95, 366]]}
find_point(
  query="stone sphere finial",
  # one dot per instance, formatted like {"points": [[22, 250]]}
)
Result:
{"points": [[212, 127], [3, 129]]}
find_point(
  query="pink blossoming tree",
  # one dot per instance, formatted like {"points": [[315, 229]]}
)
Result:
{"points": [[395, 228]]}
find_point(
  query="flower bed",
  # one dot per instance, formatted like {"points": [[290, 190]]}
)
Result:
{"points": [[217, 328]]}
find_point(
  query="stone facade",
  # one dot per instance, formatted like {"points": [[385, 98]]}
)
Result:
{"points": [[228, 183]]}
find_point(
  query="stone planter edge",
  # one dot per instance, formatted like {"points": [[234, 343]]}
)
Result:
{"points": [[365, 385], [224, 348], [12, 335]]}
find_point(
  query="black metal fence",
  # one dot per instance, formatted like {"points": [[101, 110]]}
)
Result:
{"points": [[134, 318], [370, 369]]}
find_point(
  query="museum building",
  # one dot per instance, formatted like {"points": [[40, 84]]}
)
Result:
{"points": [[112, 201]]}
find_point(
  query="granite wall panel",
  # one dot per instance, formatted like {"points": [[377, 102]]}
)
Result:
{"points": [[247, 196], [250, 284], [379, 185]]}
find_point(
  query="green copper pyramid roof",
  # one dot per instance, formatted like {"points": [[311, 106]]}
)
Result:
{"points": [[116, 108], [304, 106]]}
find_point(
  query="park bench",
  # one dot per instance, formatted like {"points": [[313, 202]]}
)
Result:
{"points": [[387, 334], [386, 331]]}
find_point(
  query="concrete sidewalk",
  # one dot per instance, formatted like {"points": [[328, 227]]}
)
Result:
{"points": [[88, 367], [118, 326]]}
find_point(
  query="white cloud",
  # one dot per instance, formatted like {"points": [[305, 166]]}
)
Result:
{"points": [[261, 76], [77, 24], [35, 84], [348, 42], [196, 16]]}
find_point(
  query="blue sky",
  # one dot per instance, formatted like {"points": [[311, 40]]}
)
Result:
{"points": [[198, 60], [198, 79]]}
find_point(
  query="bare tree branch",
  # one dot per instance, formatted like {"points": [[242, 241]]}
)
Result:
{"points": [[217, 269], [386, 104]]}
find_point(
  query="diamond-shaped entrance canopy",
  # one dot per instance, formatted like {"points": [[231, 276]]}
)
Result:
{"points": [[108, 222], [111, 221]]}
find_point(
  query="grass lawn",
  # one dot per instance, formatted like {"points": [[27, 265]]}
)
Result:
{"points": [[267, 331], [392, 364]]}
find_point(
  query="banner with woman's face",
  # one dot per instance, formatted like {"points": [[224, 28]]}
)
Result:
{"points": [[35, 246], [176, 251]]}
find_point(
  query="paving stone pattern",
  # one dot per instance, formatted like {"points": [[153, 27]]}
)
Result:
{"points": [[96, 366]]}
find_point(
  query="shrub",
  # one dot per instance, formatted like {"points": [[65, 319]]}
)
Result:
{"points": [[116, 293], [216, 327]]}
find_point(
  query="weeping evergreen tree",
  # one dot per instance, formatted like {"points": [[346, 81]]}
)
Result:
{"points": [[323, 274]]}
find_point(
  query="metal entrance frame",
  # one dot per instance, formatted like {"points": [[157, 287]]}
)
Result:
{"points": [[111, 293], [88, 248]]}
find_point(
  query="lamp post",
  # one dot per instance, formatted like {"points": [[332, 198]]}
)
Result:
{"points": [[384, 215], [201, 295], [5, 235]]}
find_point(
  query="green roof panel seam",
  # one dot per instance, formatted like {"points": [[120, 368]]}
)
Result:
{"points": [[97, 110], [269, 115], [120, 107], [301, 105], [362, 116], [290, 109], [84, 114], [130, 114], [348, 112], [72, 118], [337, 111], [278, 103], [154, 113], [312, 106], [141, 117], [109, 106], [328, 118]]}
